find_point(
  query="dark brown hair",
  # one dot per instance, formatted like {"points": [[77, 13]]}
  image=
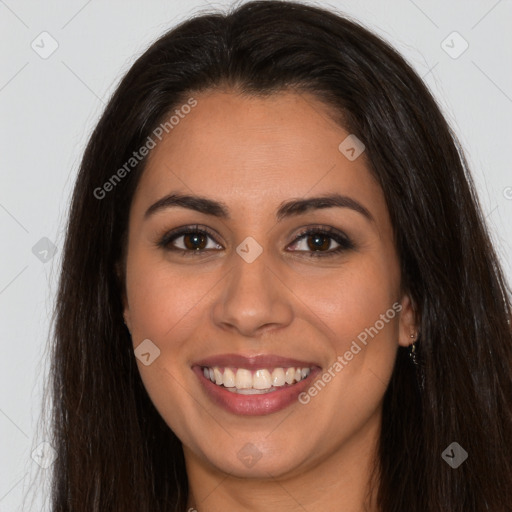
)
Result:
{"points": [[115, 452]]}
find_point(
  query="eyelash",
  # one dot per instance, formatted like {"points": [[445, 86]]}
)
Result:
{"points": [[344, 242]]}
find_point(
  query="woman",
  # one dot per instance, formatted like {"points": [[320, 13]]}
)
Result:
{"points": [[278, 290]]}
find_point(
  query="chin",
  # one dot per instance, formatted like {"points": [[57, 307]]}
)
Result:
{"points": [[249, 461]]}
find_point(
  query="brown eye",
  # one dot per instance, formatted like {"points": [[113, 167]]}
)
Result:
{"points": [[194, 241], [318, 242], [190, 240]]}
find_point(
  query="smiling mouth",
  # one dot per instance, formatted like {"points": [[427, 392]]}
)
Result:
{"points": [[248, 382]]}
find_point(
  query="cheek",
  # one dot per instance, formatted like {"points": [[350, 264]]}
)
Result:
{"points": [[165, 308], [162, 298], [361, 325], [349, 301], [363, 320], [359, 313]]}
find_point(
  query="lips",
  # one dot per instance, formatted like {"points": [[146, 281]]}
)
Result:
{"points": [[240, 398]]}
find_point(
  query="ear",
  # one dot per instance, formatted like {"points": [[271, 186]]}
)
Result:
{"points": [[127, 319], [122, 287], [408, 324]]}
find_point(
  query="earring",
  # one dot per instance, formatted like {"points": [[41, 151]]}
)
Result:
{"points": [[413, 354], [412, 351]]}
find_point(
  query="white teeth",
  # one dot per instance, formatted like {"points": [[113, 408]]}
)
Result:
{"points": [[264, 380], [278, 377], [243, 379], [289, 375], [218, 376], [261, 380], [228, 378]]}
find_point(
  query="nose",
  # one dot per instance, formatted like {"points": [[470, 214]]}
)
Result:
{"points": [[254, 298]]}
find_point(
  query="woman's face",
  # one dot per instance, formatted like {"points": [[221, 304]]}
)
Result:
{"points": [[255, 300]]}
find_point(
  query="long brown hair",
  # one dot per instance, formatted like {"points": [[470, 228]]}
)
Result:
{"points": [[115, 452]]}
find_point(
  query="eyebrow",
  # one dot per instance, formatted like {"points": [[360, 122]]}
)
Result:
{"points": [[286, 209]]}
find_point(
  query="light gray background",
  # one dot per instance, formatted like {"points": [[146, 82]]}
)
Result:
{"points": [[48, 108]]}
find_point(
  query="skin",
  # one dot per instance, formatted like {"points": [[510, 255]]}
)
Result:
{"points": [[253, 154]]}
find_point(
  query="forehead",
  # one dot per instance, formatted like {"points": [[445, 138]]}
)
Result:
{"points": [[255, 152]]}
